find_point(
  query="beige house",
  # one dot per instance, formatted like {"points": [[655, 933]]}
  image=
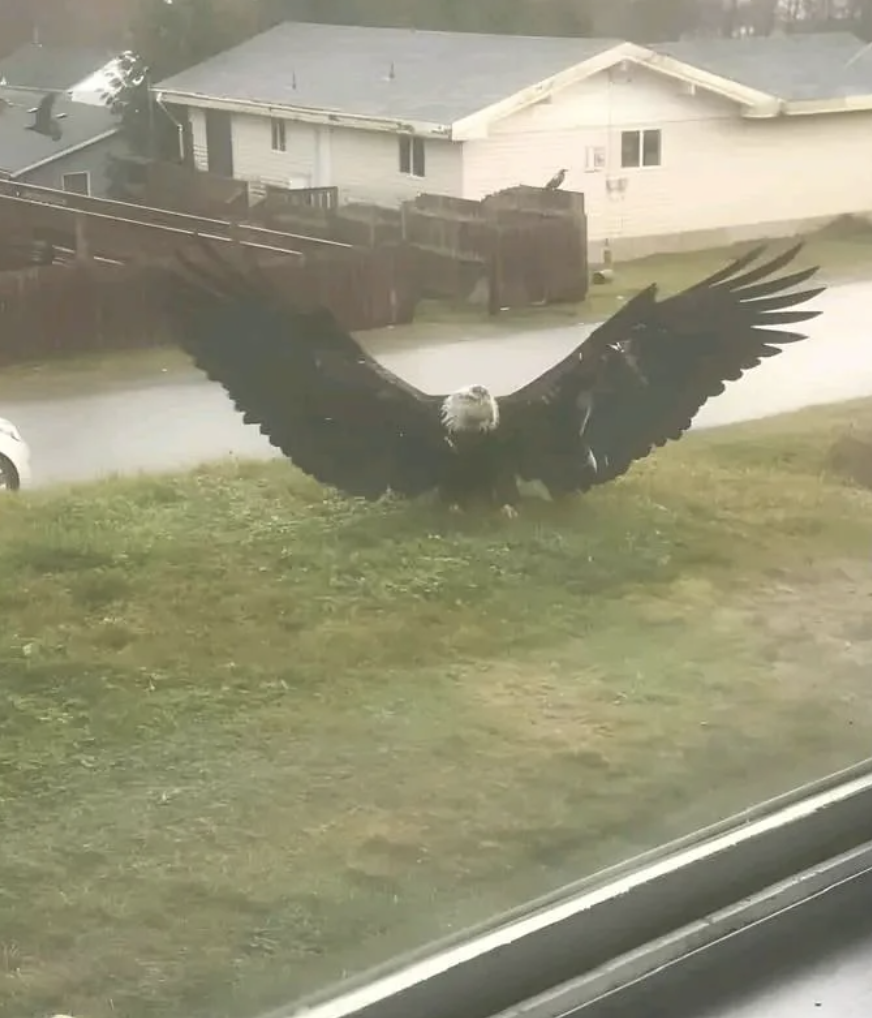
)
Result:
{"points": [[679, 145]]}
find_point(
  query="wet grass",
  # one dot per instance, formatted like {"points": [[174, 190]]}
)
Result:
{"points": [[253, 736]]}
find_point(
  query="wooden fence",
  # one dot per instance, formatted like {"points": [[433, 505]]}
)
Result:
{"points": [[514, 249], [538, 199], [521, 246], [540, 263], [517, 247], [24, 251], [63, 310], [356, 223], [280, 199], [122, 230], [542, 253], [180, 188]]}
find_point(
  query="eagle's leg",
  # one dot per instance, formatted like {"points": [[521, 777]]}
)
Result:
{"points": [[451, 498], [585, 405], [506, 495]]}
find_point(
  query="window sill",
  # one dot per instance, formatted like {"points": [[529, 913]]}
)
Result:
{"points": [[609, 930]]}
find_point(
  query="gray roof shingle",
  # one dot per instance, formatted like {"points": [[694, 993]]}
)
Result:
{"points": [[50, 67], [439, 77], [20, 148], [790, 67]]}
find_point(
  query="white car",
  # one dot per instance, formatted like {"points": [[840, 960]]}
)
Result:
{"points": [[14, 458]]}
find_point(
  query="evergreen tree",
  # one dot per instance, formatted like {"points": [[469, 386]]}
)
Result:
{"points": [[127, 95]]}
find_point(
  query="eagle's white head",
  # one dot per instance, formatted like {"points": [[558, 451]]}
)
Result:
{"points": [[472, 408]]}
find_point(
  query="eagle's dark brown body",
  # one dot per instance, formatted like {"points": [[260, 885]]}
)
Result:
{"points": [[634, 383]]}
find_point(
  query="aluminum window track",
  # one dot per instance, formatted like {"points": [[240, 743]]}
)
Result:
{"points": [[595, 937]]}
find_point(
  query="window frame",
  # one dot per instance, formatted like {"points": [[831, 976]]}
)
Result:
{"points": [[278, 134], [412, 156], [640, 134], [77, 173], [607, 932]]}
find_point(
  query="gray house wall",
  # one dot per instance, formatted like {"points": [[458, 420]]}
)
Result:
{"points": [[94, 159]]}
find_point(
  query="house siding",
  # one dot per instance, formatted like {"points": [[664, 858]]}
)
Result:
{"points": [[723, 177], [197, 120], [364, 165], [530, 146], [94, 159]]}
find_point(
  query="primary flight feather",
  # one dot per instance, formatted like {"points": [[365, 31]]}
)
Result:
{"points": [[636, 382]]}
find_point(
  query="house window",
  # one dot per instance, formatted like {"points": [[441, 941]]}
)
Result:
{"points": [[189, 157], [277, 127], [640, 148], [594, 159], [78, 182], [412, 156]]}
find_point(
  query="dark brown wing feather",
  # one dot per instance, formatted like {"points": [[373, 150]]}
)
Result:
{"points": [[45, 108], [333, 410], [649, 369]]}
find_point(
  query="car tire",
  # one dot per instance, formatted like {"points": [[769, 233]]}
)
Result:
{"points": [[9, 479]]}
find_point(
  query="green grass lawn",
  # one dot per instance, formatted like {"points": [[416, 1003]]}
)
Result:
{"points": [[253, 736]]}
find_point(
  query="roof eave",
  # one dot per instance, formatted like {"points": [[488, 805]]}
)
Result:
{"points": [[305, 114], [14, 174], [840, 104], [692, 75], [477, 124]]}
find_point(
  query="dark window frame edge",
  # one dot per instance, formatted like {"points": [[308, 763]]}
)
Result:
{"points": [[631, 971], [539, 946]]}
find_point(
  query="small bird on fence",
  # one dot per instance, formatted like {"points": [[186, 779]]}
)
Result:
{"points": [[44, 122], [556, 180]]}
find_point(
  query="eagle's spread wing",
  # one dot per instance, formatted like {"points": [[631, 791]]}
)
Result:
{"points": [[333, 410], [641, 377]]}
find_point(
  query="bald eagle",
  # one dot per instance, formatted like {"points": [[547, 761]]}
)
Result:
{"points": [[45, 122], [636, 382]]}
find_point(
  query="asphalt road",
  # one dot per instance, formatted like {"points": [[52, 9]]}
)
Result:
{"points": [[176, 418]]}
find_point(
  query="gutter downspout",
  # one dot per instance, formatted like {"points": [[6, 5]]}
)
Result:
{"points": [[180, 129]]}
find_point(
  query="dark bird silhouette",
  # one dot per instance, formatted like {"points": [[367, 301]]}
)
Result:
{"points": [[556, 181], [634, 384], [44, 121]]}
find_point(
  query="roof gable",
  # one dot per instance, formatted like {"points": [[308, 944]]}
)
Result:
{"points": [[456, 84], [396, 74], [626, 52]]}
